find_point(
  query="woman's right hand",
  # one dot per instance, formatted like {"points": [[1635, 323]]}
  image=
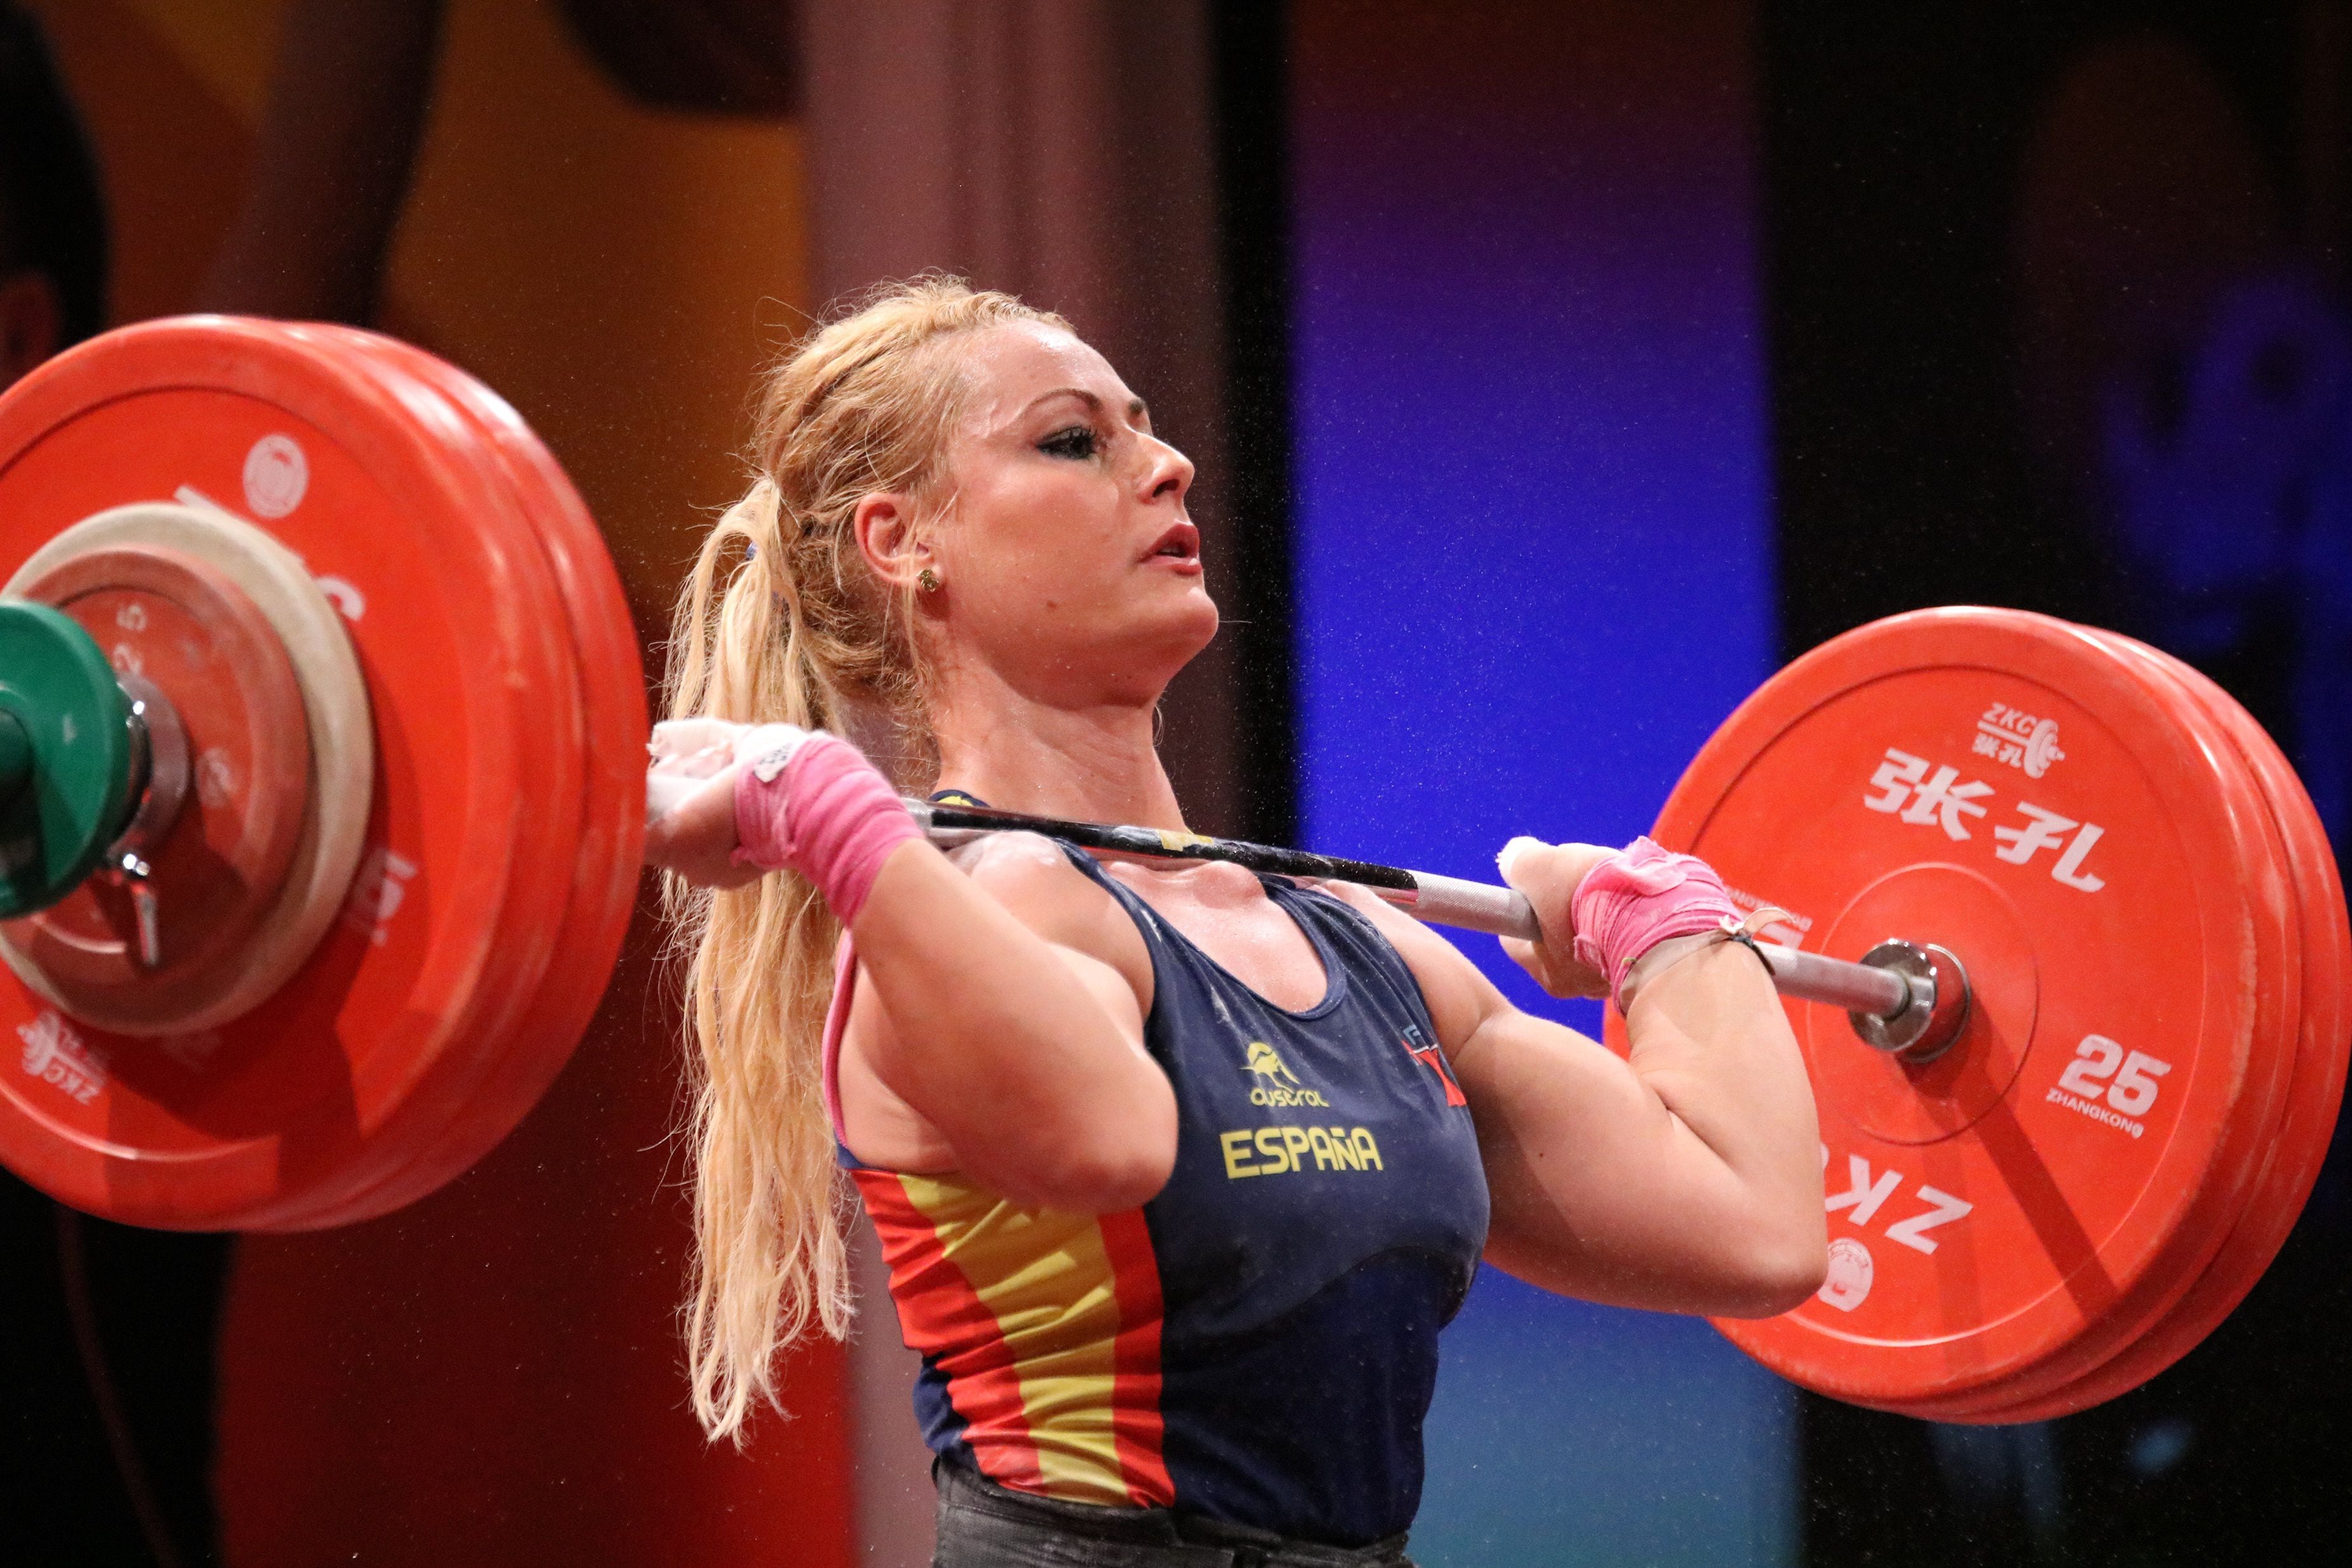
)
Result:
{"points": [[690, 788]]}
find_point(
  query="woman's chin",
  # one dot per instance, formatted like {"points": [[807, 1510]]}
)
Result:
{"points": [[1158, 641], [1122, 654], [1193, 623]]}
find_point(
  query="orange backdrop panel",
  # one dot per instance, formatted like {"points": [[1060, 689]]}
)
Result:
{"points": [[495, 1374]]}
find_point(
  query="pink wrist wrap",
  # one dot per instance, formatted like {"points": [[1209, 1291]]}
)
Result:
{"points": [[1639, 897], [810, 801]]}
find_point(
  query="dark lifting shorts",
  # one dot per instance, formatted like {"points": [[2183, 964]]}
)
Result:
{"points": [[984, 1525]]}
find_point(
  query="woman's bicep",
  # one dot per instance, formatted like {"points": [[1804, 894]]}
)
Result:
{"points": [[1018, 1039], [901, 1111], [965, 1104]]}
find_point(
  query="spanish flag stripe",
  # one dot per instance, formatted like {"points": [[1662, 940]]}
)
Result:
{"points": [[942, 1316], [1046, 1279], [1136, 1420]]}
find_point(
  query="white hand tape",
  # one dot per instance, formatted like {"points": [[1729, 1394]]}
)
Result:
{"points": [[665, 792], [766, 749]]}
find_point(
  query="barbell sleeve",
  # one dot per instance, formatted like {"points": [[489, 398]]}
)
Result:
{"points": [[1856, 988]]}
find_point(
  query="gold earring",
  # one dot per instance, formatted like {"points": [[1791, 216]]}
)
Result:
{"points": [[928, 580]]}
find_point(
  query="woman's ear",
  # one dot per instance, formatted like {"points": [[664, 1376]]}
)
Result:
{"points": [[884, 524]]}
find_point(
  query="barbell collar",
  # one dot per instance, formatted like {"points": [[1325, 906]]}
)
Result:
{"points": [[158, 769], [1935, 1012], [159, 789]]}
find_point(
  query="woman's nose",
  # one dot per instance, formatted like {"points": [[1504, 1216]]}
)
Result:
{"points": [[1168, 472]]}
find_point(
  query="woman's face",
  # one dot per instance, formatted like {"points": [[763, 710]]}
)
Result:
{"points": [[1067, 561]]}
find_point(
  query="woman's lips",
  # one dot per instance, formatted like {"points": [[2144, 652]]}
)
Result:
{"points": [[1179, 548]]}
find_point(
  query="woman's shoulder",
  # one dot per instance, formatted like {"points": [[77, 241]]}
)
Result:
{"points": [[1024, 869], [1036, 882]]}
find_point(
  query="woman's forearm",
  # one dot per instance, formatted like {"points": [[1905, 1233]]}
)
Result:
{"points": [[1710, 1037]]}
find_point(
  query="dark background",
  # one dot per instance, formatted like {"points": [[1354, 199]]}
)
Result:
{"points": [[1932, 444], [2052, 308]]}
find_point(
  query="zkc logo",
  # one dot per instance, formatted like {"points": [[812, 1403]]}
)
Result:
{"points": [[1264, 1063], [2022, 739]]}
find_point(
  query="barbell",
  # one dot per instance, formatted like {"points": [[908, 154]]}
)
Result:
{"points": [[1902, 997], [322, 794]]}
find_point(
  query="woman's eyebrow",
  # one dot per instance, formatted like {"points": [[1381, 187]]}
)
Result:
{"points": [[1136, 408], [1084, 396]]}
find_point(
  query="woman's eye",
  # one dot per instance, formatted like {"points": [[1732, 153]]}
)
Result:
{"points": [[1077, 442]]}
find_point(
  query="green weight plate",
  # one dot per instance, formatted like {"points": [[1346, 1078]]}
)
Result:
{"points": [[73, 791]]}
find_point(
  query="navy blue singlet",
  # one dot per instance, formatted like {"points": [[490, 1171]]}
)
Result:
{"points": [[1258, 1343]]}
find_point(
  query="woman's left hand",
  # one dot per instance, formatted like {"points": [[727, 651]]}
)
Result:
{"points": [[1549, 874]]}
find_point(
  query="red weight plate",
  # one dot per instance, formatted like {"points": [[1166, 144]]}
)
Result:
{"points": [[525, 1061], [243, 753], [2315, 1093], [483, 1037], [2068, 1381], [1992, 781], [606, 850], [608, 861], [206, 1131]]}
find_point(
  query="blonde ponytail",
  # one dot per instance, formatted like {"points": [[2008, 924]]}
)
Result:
{"points": [[782, 620]]}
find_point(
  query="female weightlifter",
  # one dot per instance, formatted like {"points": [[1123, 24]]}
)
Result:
{"points": [[1178, 1170]]}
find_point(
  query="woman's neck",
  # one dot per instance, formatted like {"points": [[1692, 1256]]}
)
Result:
{"points": [[1093, 763]]}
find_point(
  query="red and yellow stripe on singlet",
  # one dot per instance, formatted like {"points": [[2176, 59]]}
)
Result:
{"points": [[1046, 1326]]}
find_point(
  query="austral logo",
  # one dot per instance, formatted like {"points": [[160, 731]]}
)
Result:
{"points": [[1280, 1085]]}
